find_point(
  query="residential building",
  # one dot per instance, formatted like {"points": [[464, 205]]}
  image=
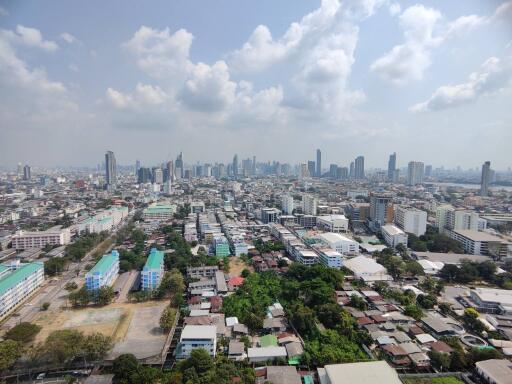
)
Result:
{"points": [[331, 258], [27, 172], [260, 354], [110, 169], [411, 220], [318, 163], [486, 179], [495, 371], [17, 283], [332, 223], [104, 273], [393, 235], [220, 246], [153, 270], [392, 167], [415, 173], [339, 243], [311, 168], [39, 239], [195, 337], [480, 243], [158, 175], [203, 271], [370, 372], [380, 207], [269, 215], [309, 205], [159, 212], [287, 204], [359, 168], [306, 257]]}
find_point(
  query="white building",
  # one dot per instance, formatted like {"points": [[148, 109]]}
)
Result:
{"points": [[415, 172], [339, 243], [159, 212], [367, 269], [287, 204], [309, 205], [411, 220], [197, 336], [480, 243], [332, 223], [331, 258], [394, 235], [104, 273], [265, 353], [39, 239], [371, 372], [306, 257], [17, 283]]}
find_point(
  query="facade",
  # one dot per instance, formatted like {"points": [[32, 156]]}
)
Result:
{"points": [[359, 168], [367, 269], [110, 168], [491, 300], [221, 246], [287, 205], [392, 167], [309, 205], [480, 243], [39, 239], [269, 215], [339, 243], [331, 258], [104, 273], [333, 223], [411, 220], [159, 212], [415, 173], [394, 235], [318, 163], [197, 336], [306, 257], [379, 209], [17, 283], [486, 178], [153, 270]]}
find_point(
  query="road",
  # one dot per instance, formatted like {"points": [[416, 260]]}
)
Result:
{"points": [[53, 291]]}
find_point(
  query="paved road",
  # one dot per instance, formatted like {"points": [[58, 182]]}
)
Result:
{"points": [[128, 283]]}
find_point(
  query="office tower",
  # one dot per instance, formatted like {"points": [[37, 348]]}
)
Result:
{"points": [[169, 171], [235, 166], [20, 170], [178, 167], [391, 166], [27, 172], [144, 175], [110, 168], [486, 178], [158, 175], [311, 168], [351, 174], [287, 204], [359, 168], [309, 205], [428, 170], [318, 163], [342, 173], [222, 170], [254, 165], [380, 207], [333, 170], [415, 172], [303, 171]]}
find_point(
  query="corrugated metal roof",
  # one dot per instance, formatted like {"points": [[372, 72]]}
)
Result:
{"points": [[18, 275]]}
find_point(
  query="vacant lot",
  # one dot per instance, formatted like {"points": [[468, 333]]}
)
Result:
{"points": [[436, 380], [236, 266]]}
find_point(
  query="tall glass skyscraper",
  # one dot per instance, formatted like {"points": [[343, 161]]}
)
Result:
{"points": [[110, 168], [486, 175], [318, 163]]}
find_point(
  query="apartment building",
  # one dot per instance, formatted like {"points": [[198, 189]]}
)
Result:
{"points": [[153, 270], [339, 243], [195, 337], [203, 271], [411, 220], [159, 212], [39, 239], [480, 243], [104, 273], [393, 235], [309, 205], [17, 282], [331, 258], [332, 223]]}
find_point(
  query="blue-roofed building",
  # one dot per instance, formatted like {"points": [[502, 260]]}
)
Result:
{"points": [[17, 283], [104, 273], [153, 271]]}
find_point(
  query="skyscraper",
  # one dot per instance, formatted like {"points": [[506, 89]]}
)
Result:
{"points": [[20, 170], [178, 167], [158, 175], [391, 166], [351, 172], [110, 168], [415, 172], [486, 178], [235, 166], [333, 169], [318, 163], [169, 172], [359, 168], [311, 168], [27, 172], [137, 167], [254, 165]]}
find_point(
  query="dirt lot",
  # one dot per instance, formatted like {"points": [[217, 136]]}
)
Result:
{"points": [[236, 266]]}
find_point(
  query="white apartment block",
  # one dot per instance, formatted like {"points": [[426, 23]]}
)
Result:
{"points": [[480, 243], [411, 220], [287, 204], [393, 235], [17, 283], [309, 205], [332, 223], [339, 243], [306, 257], [449, 218], [197, 336], [331, 258], [53, 236]]}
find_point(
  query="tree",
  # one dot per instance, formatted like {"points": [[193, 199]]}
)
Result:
{"points": [[440, 360], [167, 319], [63, 345], [124, 366], [245, 273], [413, 311], [96, 346], [105, 295], [54, 266], [45, 306], [71, 286], [82, 297], [10, 351], [449, 272], [426, 301], [23, 332], [200, 360]]}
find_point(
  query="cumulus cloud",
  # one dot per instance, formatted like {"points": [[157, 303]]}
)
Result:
{"points": [[32, 37], [394, 9], [424, 29], [68, 37], [144, 95], [493, 75]]}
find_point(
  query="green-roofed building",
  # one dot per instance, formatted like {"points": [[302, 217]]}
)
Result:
{"points": [[17, 282], [268, 341], [153, 270], [159, 212], [104, 273]]}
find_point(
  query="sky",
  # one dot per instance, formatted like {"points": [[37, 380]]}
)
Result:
{"points": [[431, 81]]}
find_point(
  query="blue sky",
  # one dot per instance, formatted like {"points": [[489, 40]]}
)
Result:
{"points": [[276, 79]]}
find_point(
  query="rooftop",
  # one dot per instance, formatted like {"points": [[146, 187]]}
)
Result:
{"points": [[372, 372], [104, 264], [155, 259], [331, 237], [21, 273], [478, 236], [208, 332], [392, 230], [498, 370]]}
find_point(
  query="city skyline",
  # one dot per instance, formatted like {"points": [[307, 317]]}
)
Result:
{"points": [[258, 79]]}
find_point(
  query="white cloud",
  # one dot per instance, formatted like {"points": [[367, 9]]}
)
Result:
{"points": [[493, 76], [32, 37], [144, 95], [394, 9], [424, 30], [68, 37]]}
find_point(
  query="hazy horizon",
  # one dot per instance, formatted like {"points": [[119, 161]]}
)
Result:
{"points": [[430, 80]]}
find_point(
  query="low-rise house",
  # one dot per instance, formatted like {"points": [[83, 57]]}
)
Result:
{"points": [[236, 350], [495, 371], [197, 336], [260, 354]]}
